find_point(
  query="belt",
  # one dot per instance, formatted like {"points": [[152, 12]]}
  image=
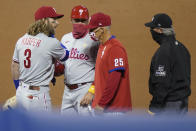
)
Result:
{"points": [[75, 86], [34, 88]]}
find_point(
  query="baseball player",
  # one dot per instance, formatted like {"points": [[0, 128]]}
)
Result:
{"points": [[79, 69], [112, 87], [32, 67]]}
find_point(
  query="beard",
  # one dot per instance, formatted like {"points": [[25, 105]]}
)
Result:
{"points": [[49, 29]]}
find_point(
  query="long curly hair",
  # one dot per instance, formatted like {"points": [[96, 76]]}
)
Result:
{"points": [[41, 26]]}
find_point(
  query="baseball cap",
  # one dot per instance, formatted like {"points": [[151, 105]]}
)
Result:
{"points": [[80, 12], [99, 20], [45, 12], [160, 20]]}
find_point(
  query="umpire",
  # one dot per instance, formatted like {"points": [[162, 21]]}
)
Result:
{"points": [[170, 70]]}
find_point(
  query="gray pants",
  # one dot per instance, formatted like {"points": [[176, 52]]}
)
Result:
{"points": [[39, 100], [71, 101]]}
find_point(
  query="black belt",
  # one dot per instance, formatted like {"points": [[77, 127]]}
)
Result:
{"points": [[34, 88], [75, 86]]}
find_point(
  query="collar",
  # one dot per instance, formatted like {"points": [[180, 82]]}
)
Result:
{"points": [[112, 37], [168, 38], [52, 35]]}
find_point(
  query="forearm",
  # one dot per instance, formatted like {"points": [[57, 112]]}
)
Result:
{"points": [[15, 70], [159, 95], [15, 73], [111, 88]]}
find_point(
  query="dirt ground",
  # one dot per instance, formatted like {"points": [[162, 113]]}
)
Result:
{"points": [[128, 18]]}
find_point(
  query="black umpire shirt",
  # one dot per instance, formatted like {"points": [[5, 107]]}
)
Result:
{"points": [[170, 73]]}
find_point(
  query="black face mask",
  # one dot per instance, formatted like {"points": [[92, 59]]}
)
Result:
{"points": [[156, 36]]}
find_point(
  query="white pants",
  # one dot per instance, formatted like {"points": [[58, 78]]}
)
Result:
{"points": [[71, 101], [33, 100]]}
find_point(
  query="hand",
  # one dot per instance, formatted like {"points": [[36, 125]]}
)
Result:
{"points": [[59, 68], [151, 113], [98, 110], [53, 81], [10, 103], [87, 99]]}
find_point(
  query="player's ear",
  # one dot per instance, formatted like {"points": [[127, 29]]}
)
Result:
{"points": [[45, 20], [102, 30], [72, 21], [160, 30]]}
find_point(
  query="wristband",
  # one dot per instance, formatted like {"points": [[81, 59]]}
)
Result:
{"points": [[16, 83], [92, 89]]}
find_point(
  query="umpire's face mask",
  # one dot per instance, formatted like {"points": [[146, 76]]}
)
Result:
{"points": [[156, 36]]}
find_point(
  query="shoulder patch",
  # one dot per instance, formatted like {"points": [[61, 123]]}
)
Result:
{"points": [[160, 71]]}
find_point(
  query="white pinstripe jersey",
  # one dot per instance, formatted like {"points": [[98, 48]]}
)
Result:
{"points": [[80, 66]]}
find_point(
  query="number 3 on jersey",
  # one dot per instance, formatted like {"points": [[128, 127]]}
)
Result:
{"points": [[118, 62], [27, 61]]}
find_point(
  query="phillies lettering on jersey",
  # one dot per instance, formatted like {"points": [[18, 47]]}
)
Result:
{"points": [[75, 54], [79, 68]]}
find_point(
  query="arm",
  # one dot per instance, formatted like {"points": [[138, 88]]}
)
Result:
{"points": [[160, 80], [109, 92], [15, 73], [111, 88], [87, 99], [66, 53], [59, 51]]}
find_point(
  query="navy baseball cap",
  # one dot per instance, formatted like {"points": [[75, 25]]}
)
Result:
{"points": [[160, 20]]}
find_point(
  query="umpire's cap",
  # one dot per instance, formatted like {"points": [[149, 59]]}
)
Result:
{"points": [[160, 20], [45, 12]]}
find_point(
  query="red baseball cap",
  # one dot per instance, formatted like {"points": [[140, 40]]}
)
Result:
{"points": [[45, 12], [99, 20], [80, 12]]}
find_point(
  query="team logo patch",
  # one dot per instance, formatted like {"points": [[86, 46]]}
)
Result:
{"points": [[160, 71]]}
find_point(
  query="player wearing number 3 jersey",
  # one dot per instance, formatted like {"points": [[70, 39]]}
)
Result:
{"points": [[112, 87], [33, 61]]}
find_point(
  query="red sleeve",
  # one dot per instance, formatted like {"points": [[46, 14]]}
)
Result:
{"points": [[111, 88], [117, 59]]}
